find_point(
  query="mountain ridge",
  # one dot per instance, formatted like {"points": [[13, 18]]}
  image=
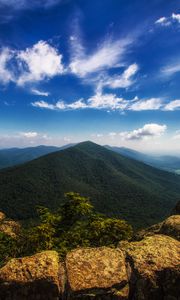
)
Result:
{"points": [[118, 186]]}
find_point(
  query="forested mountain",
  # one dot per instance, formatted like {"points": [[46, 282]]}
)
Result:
{"points": [[15, 156], [164, 162], [118, 186]]}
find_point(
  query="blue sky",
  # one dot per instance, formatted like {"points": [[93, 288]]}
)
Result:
{"points": [[105, 70]]}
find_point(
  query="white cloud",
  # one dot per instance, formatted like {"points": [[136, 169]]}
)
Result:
{"points": [[122, 81], [5, 74], [149, 104], [107, 55], [106, 102], [30, 134], [166, 21], [163, 21], [176, 17], [147, 131], [98, 101], [42, 62], [173, 105], [171, 69], [40, 93]]}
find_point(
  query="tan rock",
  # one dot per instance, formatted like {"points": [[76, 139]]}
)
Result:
{"points": [[2, 216], [155, 263], [9, 227], [171, 227], [97, 271], [38, 277]]}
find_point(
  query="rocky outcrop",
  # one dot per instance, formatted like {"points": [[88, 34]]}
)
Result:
{"points": [[9, 227], [170, 227], [155, 268], [147, 269], [38, 277], [99, 271], [2, 216]]}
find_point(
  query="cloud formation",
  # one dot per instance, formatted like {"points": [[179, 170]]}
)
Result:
{"points": [[109, 54], [39, 62], [106, 101], [167, 21], [42, 61], [147, 131]]}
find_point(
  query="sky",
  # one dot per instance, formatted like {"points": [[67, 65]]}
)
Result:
{"points": [[101, 70]]}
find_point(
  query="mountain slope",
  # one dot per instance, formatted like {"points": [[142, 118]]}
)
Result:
{"points": [[15, 156], [118, 186], [164, 162]]}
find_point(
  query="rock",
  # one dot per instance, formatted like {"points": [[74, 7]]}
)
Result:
{"points": [[171, 227], [155, 263], [9, 227], [2, 216], [38, 277], [97, 273]]}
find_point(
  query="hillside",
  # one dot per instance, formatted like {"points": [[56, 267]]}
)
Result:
{"points": [[15, 156], [118, 186], [165, 162]]}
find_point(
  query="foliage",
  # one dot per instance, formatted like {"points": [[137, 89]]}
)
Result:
{"points": [[8, 247], [75, 224]]}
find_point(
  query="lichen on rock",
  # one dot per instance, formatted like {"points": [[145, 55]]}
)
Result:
{"points": [[40, 277], [155, 263], [99, 271]]}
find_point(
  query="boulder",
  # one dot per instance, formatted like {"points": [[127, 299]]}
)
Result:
{"points": [[155, 268], [10, 227], [171, 227], [38, 277], [97, 273], [2, 216]]}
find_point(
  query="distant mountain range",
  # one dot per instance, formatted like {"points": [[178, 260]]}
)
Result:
{"points": [[118, 186], [15, 156], [165, 162]]}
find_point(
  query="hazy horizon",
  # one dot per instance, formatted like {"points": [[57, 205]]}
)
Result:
{"points": [[106, 71]]}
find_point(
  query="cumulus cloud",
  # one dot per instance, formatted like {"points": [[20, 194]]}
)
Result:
{"points": [[42, 62], [108, 55], [39, 62], [147, 131]]}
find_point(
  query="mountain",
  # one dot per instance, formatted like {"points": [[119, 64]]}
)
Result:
{"points": [[165, 162], [15, 156], [118, 186]]}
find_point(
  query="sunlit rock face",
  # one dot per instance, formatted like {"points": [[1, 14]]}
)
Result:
{"points": [[155, 269], [145, 269], [98, 271], [35, 277]]}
